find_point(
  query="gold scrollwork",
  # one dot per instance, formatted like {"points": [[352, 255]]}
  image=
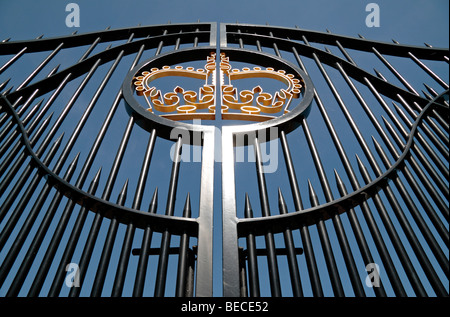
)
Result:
{"points": [[254, 104], [257, 98]]}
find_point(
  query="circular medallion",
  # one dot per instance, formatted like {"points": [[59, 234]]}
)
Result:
{"points": [[215, 91]]}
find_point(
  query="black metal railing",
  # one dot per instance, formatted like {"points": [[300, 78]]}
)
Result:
{"points": [[357, 206], [388, 205], [72, 121]]}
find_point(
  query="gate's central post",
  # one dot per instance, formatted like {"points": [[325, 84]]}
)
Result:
{"points": [[205, 219], [230, 256]]}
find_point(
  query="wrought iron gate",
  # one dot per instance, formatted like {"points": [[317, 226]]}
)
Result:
{"points": [[84, 164]]}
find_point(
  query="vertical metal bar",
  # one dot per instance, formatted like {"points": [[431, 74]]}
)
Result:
{"points": [[406, 84], [251, 254], [360, 239], [5, 93], [8, 143], [95, 227], [241, 42], [62, 116], [426, 69], [440, 146], [10, 157], [52, 248], [421, 196], [196, 39], [274, 278], [32, 249], [26, 195], [16, 57], [190, 283], [384, 105], [39, 68], [111, 179], [22, 110], [60, 274], [73, 240], [304, 231], [336, 220], [44, 144], [119, 279], [425, 161], [395, 239], [178, 42], [290, 246], [143, 258], [343, 241], [326, 247], [437, 143], [39, 279], [19, 209], [13, 59], [145, 247], [183, 264], [382, 133], [421, 175], [346, 163], [170, 205], [430, 154], [91, 48], [434, 93], [417, 216], [105, 257], [242, 273], [408, 266], [394, 71], [426, 183], [443, 136], [82, 85], [381, 244], [34, 123], [410, 270], [88, 111]]}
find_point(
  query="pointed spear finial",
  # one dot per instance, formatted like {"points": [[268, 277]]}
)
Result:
{"points": [[361, 165], [312, 195], [187, 207], [122, 197], [71, 168], [281, 203], [7, 91], [3, 85], [340, 184], [75, 160], [379, 74], [54, 70], [95, 181], [248, 208], [431, 90], [154, 202]]}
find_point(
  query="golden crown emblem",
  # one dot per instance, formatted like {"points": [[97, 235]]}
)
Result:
{"points": [[249, 104]]}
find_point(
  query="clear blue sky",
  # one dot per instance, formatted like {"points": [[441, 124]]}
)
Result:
{"points": [[409, 22], [412, 22]]}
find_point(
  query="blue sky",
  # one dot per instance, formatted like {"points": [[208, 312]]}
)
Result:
{"points": [[409, 22], [412, 22]]}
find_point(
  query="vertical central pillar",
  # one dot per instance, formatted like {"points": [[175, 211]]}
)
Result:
{"points": [[231, 283]]}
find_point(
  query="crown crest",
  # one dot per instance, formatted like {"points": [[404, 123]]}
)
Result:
{"points": [[250, 104]]}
